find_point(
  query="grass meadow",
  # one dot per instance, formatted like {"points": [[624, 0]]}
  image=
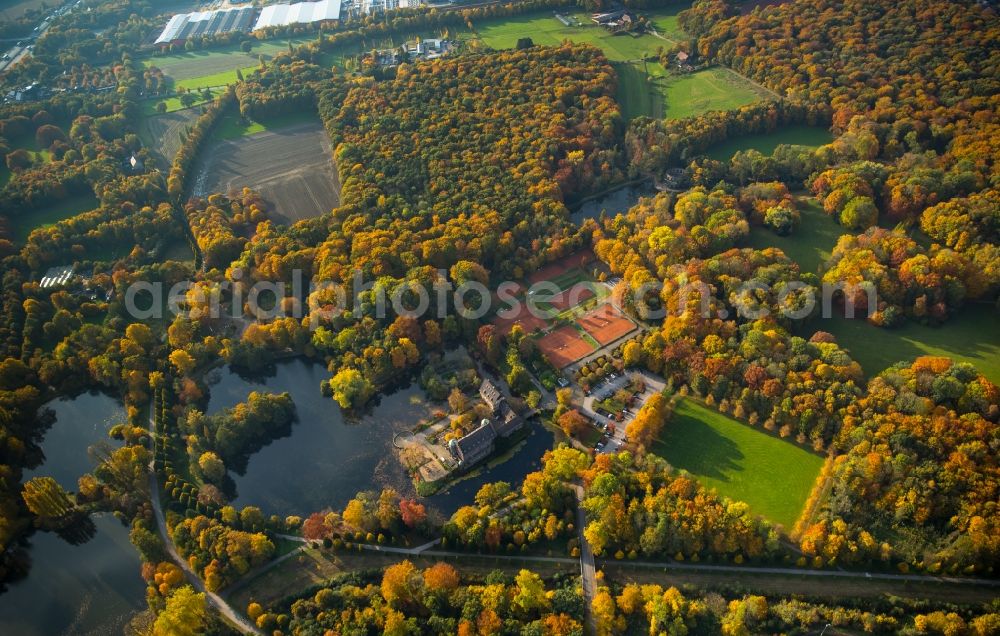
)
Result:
{"points": [[200, 67], [773, 476], [969, 336], [648, 89], [49, 215], [232, 126], [544, 29], [709, 89], [765, 143], [811, 244]]}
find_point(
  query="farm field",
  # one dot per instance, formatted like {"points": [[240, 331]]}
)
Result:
{"points": [[811, 244], [162, 133], [291, 166], [193, 66], [970, 336], [772, 475], [765, 143], [51, 214], [543, 28]]}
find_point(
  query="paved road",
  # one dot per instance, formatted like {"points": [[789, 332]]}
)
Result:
{"points": [[217, 601], [588, 571]]}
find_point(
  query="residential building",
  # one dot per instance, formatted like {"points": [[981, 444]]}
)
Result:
{"points": [[476, 446], [491, 395]]}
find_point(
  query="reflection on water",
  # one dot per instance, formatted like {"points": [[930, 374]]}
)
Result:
{"points": [[91, 584], [328, 458], [612, 203], [526, 459]]}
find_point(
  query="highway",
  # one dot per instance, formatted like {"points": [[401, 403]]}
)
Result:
{"points": [[22, 46]]}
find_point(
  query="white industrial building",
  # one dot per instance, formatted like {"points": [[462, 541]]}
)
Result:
{"points": [[299, 13], [184, 26], [381, 6]]}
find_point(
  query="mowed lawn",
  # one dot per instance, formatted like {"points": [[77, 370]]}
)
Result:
{"points": [[765, 143], [648, 89], [638, 93], [223, 78], [709, 89], [743, 463], [970, 336], [811, 244]]}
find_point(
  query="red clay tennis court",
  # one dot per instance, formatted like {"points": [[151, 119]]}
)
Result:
{"points": [[571, 297], [606, 324], [527, 321], [563, 265], [563, 346]]}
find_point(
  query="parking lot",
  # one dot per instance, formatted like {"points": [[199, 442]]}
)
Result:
{"points": [[611, 443]]}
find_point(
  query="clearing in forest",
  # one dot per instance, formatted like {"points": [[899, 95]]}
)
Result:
{"points": [[646, 88], [290, 166], [765, 143], [811, 244], [971, 335], [48, 215], [709, 89], [773, 476]]}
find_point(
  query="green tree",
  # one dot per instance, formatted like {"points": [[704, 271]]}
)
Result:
{"points": [[211, 467], [184, 615], [530, 595], [47, 500], [350, 388]]}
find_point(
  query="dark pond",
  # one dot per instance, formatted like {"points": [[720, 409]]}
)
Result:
{"points": [[328, 457], [91, 588], [613, 202]]}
